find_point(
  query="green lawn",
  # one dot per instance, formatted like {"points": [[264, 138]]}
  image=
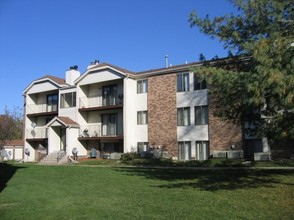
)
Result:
{"points": [[29, 191]]}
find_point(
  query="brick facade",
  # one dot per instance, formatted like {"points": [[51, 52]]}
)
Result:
{"points": [[223, 134], [162, 112]]}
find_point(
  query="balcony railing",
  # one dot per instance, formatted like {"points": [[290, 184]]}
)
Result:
{"points": [[41, 108], [98, 130], [36, 133], [99, 101]]}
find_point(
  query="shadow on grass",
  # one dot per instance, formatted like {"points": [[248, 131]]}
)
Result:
{"points": [[6, 173], [211, 179]]}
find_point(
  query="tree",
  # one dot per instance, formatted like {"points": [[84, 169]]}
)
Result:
{"points": [[11, 126], [261, 93]]}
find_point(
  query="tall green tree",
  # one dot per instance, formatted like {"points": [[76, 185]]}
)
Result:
{"points": [[260, 34]]}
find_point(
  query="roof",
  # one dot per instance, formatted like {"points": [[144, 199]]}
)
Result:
{"points": [[14, 143], [56, 79], [103, 66], [66, 121], [113, 66], [187, 67]]}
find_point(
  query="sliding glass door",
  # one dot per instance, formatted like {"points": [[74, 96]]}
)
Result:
{"points": [[109, 124]]}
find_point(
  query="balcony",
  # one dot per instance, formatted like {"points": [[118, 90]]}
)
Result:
{"points": [[100, 103], [41, 109], [37, 133], [98, 132]]}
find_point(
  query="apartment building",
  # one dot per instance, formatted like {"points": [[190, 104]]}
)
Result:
{"points": [[112, 110]]}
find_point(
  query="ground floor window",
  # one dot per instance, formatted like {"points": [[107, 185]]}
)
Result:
{"points": [[184, 150], [142, 146], [202, 150]]}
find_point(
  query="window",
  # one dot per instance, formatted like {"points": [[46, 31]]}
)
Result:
{"points": [[109, 95], [142, 117], [142, 146], [184, 150], [201, 115], [142, 86], [184, 116], [68, 100], [52, 102], [202, 150], [199, 83], [183, 82]]}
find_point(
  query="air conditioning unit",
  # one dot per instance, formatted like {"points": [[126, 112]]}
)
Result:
{"points": [[235, 154], [219, 154], [262, 156]]}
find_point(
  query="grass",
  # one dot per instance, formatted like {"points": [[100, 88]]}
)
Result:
{"points": [[30, 191]]}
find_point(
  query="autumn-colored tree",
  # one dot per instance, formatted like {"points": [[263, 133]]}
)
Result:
{"points": [[11, 126], [262, 33]]}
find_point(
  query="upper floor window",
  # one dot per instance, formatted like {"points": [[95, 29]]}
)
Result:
{"points": [[201, 115], [199, 83], [184, 116], [142, 86], [142, 117], [52, 102], [183, 84], [68, 100], [109, 95]]}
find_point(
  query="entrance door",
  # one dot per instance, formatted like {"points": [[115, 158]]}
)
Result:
{"points": [[62, 139]]}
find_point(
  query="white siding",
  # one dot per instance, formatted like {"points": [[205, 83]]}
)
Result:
{"points": [[130, 118], [42, 87], [101, 76]]}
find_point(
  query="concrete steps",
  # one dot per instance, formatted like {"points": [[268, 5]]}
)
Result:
{"points": [[51, 159]]}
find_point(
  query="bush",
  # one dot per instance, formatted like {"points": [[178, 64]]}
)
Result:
{"points": [[127, 157]]}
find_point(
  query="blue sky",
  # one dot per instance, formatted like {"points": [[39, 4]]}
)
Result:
{"points": [[40, 37]]}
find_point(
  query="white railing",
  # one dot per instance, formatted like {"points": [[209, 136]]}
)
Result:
{"points": [[38, 132], [98, 130], [99, 101], [40, 108]]}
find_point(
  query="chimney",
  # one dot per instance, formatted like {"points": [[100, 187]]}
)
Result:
{"points": [[72, 74], [93, 64], [166, 61]]}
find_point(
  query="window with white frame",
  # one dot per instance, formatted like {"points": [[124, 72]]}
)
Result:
{"points": [[199, 83], [142, 117], [184, 150], [201, 115], [202, 150], [142, 146], [183, 84], [142, 86], [184, 116], [68, 100]]}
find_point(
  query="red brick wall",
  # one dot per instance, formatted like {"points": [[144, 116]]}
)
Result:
{"points": [[223, 134], [162, 112]]}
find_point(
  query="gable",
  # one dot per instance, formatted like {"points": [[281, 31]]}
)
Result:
{"points": [[97, 76], [42, 87]]}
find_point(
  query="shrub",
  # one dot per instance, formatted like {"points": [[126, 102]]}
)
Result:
{"points": [[127, 157]]}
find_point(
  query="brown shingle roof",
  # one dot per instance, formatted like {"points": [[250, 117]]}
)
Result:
{"points": [[113, 66], [67, 121], [56, 79]]}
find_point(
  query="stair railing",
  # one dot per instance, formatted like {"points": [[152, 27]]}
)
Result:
{"points": [[60, 155]]}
